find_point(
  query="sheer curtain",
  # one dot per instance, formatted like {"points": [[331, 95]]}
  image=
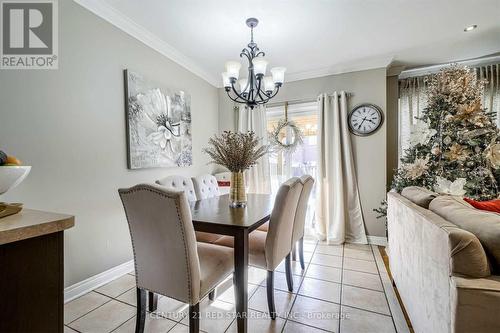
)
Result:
{"points": [[491, 94], [413, 99], [258, 177], [339, 217]]}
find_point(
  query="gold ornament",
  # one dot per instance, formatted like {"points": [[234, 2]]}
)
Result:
{"points": [[417, 168], [457, 153], [466, 112]]}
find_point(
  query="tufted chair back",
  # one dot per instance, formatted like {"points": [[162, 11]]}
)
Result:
{"points": [[179, 183], [279, 236], [163, 240], [205, 186], [300, 216]]}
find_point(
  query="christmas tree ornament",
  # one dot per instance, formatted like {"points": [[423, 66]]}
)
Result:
{"points": [[417, 168], [457, 153], [445, 186], [421, 133]]}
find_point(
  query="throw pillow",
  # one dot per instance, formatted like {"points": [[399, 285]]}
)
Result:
{"points": [[490, 205]]}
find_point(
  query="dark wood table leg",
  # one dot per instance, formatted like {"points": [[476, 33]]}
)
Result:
{"points": [[241, 278]]}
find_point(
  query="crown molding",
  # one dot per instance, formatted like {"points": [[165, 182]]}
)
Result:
{"points": [[427, 70], [124, 23], [334, 70], [338, 69]]}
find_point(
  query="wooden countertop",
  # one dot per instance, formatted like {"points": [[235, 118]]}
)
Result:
{"points": [[31, 223]]}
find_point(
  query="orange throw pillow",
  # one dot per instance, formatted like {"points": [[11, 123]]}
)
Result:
{"points": [[490, 205]]}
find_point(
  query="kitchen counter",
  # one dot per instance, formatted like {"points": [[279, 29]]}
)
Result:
{"points": [[31, 223], [32, 271]]}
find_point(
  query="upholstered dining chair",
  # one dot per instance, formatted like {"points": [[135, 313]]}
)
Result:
{"points": [[300, 218], [268, 249], [176, 183], [168, 260], [206, 186]]}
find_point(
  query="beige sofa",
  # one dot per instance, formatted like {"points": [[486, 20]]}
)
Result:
{"points": [[444, 274]]}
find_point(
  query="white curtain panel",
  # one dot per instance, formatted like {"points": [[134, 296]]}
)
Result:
{"points": [[339, 218], [258, 177]]}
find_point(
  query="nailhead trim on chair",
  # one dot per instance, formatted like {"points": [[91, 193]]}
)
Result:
{"points": [[137, 188]]}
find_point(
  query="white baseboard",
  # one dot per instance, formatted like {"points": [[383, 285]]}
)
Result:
{"points": [[377, 240], [93, 282]]}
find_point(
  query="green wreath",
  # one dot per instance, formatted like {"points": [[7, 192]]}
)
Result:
{"points": [[274, 137]]}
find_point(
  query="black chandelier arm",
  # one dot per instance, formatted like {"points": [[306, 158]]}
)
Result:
{"points": [[263, 100], [274, 93], [246, 54], [259, 90], [269, 96], [236, 93], [235, 99], [260, 53]]}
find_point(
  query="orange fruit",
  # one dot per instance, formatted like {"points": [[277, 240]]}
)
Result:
{"points": [[13, 160]]}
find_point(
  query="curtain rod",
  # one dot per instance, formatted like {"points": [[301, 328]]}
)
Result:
{"points": [[302, 100]]}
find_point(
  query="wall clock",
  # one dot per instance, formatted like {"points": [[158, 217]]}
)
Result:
{"points": [[365, 119]]}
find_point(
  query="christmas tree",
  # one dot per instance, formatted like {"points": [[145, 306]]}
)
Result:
{"points": [[454, 146]]}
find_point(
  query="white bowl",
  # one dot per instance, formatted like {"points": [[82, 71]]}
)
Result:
{"points": [[11, 176]]}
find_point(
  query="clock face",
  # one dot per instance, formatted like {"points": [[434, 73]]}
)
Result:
{"points": [[365, 119]]}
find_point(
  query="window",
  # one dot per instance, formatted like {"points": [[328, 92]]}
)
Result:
{"points": [[304, 159]]}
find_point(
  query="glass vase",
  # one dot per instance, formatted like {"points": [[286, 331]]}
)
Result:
{"points": [[237, 194]]}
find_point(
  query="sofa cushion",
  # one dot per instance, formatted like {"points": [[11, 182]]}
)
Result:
{"points": [[467, 254], [484, 225], [419, 195]]}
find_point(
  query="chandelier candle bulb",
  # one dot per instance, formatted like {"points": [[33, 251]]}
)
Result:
{"points": [[233, 69], [278, 75], [259, 66], [268, 84], [225, 80]]}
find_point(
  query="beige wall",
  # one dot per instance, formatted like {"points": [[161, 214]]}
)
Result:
{"points": [[69, 124], [392, 127], [370, 152]]}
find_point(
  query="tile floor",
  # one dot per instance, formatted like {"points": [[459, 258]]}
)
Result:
{"points": [[343, 289]]}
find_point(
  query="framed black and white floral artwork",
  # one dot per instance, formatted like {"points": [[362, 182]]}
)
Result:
{"points": [[158, 124]]}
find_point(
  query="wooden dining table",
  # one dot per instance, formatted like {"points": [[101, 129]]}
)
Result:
{"points": [[214, 215]]}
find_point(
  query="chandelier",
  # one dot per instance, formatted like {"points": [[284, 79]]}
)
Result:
{"points": [[256, 88]]}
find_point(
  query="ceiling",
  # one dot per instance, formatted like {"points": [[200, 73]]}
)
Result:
{"points": [[311, 38]]}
